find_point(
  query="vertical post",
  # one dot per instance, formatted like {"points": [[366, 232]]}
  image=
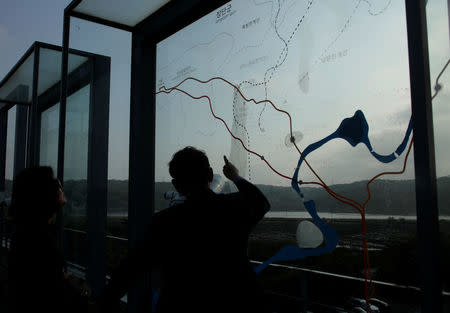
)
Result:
{"points": [[33, 113], [63, 99], [142, 155], [97, 178], [424, 159], [62, 117]]}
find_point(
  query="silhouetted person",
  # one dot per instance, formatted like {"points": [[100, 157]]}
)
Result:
{"points": [[35, 270], [200, 246]]}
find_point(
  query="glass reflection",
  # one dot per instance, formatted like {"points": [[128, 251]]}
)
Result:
{"points": [[115, 44], [10, 146], [76, 153], [49, 137], [75, 174]]}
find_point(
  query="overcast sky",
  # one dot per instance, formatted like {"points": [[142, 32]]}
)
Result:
{"points": [[356, 57], [24, 21]]}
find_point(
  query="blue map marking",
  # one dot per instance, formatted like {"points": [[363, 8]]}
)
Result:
{"points": [[354, 130], [291, 252]]}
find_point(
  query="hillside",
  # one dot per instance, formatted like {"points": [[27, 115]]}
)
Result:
{"points": [[394, 197]]}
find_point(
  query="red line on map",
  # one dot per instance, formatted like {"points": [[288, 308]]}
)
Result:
{"points": [[361, 208]]}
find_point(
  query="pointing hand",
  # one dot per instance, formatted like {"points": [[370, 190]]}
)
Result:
{"points": [[229, 170]]}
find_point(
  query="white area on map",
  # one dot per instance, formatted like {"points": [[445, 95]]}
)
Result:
{"points": [[353, 52], [308, 235]]}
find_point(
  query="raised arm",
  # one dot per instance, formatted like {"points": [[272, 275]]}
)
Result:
{"points": [[253, 199]]}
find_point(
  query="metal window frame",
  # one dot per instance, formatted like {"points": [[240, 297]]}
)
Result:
{"points": [[174, 16], [78, 79], [33, 48], [20, 139], [10, 103], [35, 107], [95, 72], [424, 157], [142, 121], [15, 68], [97, 174], [52, 95]]}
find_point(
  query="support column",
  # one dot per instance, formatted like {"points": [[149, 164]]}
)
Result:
{"points": [[142, 156], [97, 178], [424, 157]]}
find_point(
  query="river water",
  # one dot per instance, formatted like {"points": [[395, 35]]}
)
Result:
{"points": [[326, 215]]}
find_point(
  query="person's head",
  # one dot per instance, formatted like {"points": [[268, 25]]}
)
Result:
{"points": [[190, 171], [37, 195]]}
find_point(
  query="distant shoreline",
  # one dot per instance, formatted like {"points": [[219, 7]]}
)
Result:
{"points": [[325, 215], [346, 216]]}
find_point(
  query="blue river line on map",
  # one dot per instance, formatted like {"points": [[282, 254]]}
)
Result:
{"points": [[354, 130]]}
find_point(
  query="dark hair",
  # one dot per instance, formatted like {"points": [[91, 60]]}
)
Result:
{"points": [[190, 168], [34, 195]]}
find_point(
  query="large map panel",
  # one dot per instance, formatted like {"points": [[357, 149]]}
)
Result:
{"points": [[310, 99]]}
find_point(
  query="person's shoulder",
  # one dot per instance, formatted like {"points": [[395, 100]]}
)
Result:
{"points": [[233, 199], [171, 211]]}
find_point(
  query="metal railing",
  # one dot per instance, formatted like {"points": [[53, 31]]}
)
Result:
{"points": [[117, 244]]}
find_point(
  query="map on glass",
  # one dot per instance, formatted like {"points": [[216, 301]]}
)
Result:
{"points": [[305, 66], [294, 93]]}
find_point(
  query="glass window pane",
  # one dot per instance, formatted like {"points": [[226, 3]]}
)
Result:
{"points": [[10, 146], [116, 44], [267, 84], [50, 68], [75, 173], [76, 140], [49, 137], [23, 77], [438, 43], [128, 13]]}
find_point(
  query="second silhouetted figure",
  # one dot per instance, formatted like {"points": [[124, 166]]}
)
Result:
{"points": [[200, 245]]}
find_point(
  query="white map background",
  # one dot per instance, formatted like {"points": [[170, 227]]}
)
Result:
{"points": [[318, 60]]}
